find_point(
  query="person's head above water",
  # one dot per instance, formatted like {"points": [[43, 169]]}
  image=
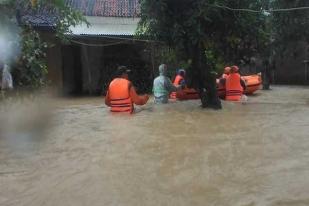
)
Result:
{"points": [[227, 70], [234, 69], [163, 69], [123, 72], [181, 72]]}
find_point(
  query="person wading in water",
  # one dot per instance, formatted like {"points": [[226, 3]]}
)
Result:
{"points": [[121, 95]]}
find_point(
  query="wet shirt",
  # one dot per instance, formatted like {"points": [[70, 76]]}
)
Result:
{"points": [[162, 87]]}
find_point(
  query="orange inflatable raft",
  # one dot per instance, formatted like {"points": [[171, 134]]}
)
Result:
{"points": [[185, 94], [253, 83]]}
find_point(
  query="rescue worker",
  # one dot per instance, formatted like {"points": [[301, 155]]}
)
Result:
{"points": [[162, 86], [234, 85], [121, 95], [180, 78], [226, 72]]}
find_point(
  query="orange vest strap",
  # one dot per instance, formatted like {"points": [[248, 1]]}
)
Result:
{"points": [[119, 93], [120, 99], [233, 87]]}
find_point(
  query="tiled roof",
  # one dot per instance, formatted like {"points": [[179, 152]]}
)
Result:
{"points": [[39, 20], [40, 17], [107, 8], [46, 17]]}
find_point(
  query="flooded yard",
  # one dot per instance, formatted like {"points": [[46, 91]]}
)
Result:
{"points": [[74, 152]]}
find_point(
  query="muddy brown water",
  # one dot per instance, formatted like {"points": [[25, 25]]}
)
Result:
{"points": [[73, 152]]}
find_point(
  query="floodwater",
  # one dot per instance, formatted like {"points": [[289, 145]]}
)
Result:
{"points": [[73, 152]]}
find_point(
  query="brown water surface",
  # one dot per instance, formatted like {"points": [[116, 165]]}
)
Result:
{"points": [[74, 152]]}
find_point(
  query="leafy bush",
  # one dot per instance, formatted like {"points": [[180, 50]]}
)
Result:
{"points": [[31, 68]]}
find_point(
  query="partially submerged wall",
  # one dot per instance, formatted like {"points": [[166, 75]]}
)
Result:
{"points": [[290, 66], [96, 65]]}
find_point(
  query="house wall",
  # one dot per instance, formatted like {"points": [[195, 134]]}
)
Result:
{"points": [[95, 66], [290, 67], [54, 64], [54, 61], [72, 70], [89, 69], [91, 59]]}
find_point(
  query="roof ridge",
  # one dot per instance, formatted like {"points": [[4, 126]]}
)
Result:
{"points": [[107, 8]]}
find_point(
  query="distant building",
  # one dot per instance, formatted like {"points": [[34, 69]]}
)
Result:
{"points": [[86, 65]]}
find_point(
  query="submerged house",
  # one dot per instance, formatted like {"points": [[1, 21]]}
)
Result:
{"points": [[96, 51], [87, 64]]}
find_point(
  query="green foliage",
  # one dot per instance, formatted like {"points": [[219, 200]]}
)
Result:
{"points": [[187, 23], [68, 17], [32, 67], [216, 62], [289, 27], [205, 35], [168, 56]]}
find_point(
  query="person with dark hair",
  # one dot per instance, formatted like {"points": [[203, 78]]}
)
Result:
{"points": [[180, 78], [121, 95], [186, 93]]}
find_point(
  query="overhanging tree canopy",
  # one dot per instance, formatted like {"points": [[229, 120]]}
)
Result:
{"points": [[199, 32], [289, 27]]}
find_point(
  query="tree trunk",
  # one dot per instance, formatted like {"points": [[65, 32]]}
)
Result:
{"points": [[266, 76], [203, 80], [266, 81]]}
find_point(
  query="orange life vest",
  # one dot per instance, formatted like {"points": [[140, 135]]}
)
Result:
{"points": [[178, 79], [176, 82], [119, 95], [233, 87]]}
